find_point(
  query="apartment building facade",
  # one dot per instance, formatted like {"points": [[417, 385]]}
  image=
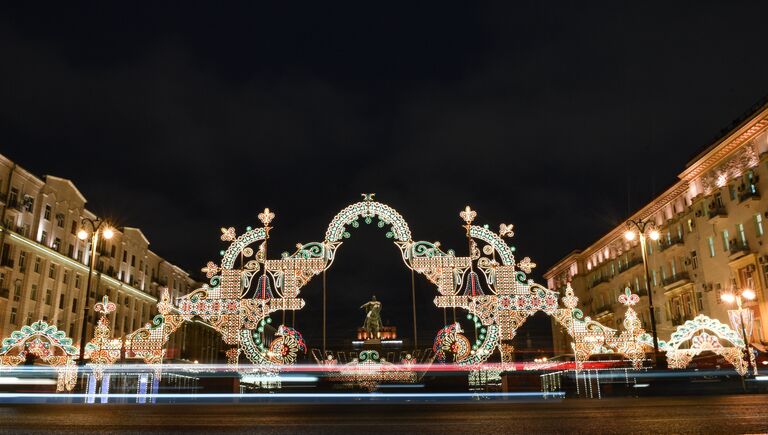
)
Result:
{"points": [[712, 222], [44, 267]]}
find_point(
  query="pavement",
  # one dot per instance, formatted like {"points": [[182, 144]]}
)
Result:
{"points": [[733, 414]]}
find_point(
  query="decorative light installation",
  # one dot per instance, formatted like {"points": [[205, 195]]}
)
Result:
{"points": [[236, 310], [704, 334], [46, 342], [148, 342], [627, 341], [103, 350], [368, 371]]}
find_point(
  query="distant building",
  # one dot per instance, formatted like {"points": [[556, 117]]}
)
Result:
{"points": [[44, 267], [713, 224]]}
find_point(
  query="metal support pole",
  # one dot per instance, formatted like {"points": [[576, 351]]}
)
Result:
{"points": [[84, 329], [650, 300]]}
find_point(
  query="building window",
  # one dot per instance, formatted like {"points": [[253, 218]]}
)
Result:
{"points": [[29, 203], [711, 243], [694, 260], [61, 302], [37, 264], [60, 220], [13, 197], [759, 224], [33, 292], [690, 225], [44, 237], [732, 192], [74, 306], [65, 278], [22, 261], [13, 315], [71, 251], [17, 291], [742, 235], [726, 241], [112, 253], [655, 283], [125, 256], [47, 214], [77, 280], [52, 271], [133, 261], [73, 228], [56, 244], [48, 296]]}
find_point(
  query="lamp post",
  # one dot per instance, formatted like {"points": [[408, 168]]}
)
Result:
{"points": [[739, 298], [90, 227], [643, 229]]}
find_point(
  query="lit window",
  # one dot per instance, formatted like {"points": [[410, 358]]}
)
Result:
{"points": [[759, 224], [711, 243], [726, 241]]}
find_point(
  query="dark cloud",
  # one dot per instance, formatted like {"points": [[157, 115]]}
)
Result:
{"points": [[559, 118]]}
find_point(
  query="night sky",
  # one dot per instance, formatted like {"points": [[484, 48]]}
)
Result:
{"points": [[179, 119]]}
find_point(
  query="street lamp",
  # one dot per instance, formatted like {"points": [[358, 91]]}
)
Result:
{"points": [[643, 229], [93, 228], [745, 295]]}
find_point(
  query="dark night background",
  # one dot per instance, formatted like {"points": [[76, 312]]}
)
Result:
{"points": [[559, 118]]}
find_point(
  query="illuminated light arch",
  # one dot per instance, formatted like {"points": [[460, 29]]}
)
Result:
{"points": [[512, 297], [46, 342], [704, 334]]}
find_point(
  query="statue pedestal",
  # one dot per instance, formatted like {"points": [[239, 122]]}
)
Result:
{"points": [[372, 344]]}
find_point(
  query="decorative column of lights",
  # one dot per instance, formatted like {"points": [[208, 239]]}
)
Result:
{"points": [[645, 229], [737, 318], [93, 228]]}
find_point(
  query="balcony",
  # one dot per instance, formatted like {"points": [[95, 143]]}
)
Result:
{"points": [[15, 204], [666, 244], [595, 283], [716, 213], [737, 249], [749, 194], [632, 263], [676, 280]]}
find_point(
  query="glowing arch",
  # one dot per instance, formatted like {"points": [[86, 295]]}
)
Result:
{"points": [[46, 342], [510, 300], [705, 334]]}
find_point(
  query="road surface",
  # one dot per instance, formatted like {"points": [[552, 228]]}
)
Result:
{"points": [[706, 414]]}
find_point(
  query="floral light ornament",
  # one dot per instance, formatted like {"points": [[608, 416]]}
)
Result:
{"points": [[628, 298], [228, 234], [506, 230], [266, 217], [468, 215], [210, 269]]}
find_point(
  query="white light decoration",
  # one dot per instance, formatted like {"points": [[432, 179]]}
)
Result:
{"points": [[488, 284], [103, 350], [46, 342], [704, 334]]}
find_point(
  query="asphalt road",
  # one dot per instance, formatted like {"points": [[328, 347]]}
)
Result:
{"points": [[711, 415]]}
